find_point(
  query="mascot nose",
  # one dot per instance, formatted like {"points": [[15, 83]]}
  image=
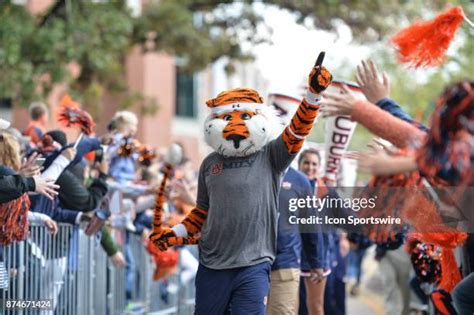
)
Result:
{"points": [[236, 139]]}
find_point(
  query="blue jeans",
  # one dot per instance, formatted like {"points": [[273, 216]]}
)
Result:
{"points": [[355, 264], [130, 276], [240, 291], [335, 292]]}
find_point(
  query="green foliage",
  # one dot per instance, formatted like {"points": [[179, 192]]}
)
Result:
{"points": [[199, 32], [414, 89], [369, 20], [35, 51], [145, 104], [16, 67], [417, 89]]}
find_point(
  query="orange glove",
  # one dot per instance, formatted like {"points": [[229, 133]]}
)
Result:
{"points": [[165, 237], [320, 77]]}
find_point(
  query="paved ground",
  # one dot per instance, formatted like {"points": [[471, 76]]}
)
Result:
{"points": [[369, 301], [356, 306]]}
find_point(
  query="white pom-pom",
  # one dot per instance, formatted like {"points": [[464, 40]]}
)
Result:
{"points": [[4, 124], [175, 154]]}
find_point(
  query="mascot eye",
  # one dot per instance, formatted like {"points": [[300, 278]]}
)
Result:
{"points": [[227, 117], [245, 116]]}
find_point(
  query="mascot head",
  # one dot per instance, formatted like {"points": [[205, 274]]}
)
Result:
{"points": [[240, 124]]}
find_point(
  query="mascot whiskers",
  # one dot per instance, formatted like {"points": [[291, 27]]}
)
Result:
{"points": [[239, 129]]}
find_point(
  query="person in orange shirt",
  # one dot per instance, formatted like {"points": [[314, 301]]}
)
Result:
{"points": [[39, 116]]}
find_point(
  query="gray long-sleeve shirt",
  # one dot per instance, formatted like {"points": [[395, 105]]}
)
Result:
{"points": [[241, 196]]}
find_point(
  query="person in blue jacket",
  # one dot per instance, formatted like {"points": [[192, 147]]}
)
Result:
{"points": [[312, 293], [285, 272], [124, 126]]}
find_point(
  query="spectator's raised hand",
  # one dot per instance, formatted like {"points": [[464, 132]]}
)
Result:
{"points": [[373, 162], [29, 168], [46, 187], [107, 139], [51, 225], [316, 275], [344, 245], [382, 161], [378, 143], [103, 166], [374, 86], [334, 104], [183, 191]]}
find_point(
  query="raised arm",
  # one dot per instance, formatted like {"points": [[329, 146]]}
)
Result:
{"points": [[302, 122], [389, 105], [384, 125], [376, 120], [284, 148], [13, 186]]}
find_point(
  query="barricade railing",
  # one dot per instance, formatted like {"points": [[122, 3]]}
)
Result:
{"points": [[73, 272], [180, 299], [144, 271]]}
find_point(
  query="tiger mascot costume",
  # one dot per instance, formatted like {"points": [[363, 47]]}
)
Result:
{"points": [[235, 218]]}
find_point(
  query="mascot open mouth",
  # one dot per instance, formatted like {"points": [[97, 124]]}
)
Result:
{"points": [[236, 139]]}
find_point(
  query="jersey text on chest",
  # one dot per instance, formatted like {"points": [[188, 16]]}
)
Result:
{"points": [[217, 167]]}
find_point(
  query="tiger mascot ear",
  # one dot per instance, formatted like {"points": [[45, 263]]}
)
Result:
{"points": [[240, 124]]}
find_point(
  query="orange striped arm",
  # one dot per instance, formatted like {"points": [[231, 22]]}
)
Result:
{"points": [[194, 221], [300, 126], [302, 122]]}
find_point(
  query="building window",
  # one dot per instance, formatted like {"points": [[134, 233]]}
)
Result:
{"points": [[185, 94]]}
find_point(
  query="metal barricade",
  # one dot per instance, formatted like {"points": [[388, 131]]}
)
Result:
{"points": [[143, 271], [66, 268], [180, 298], [116, 290], [37, 268], [72, 271]]}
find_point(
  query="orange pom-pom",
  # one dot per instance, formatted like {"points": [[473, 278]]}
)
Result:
{"points": [[425, 43], [70, 114], [67, 101]]}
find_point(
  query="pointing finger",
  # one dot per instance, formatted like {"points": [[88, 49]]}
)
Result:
{"points": [[320, 59]]}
